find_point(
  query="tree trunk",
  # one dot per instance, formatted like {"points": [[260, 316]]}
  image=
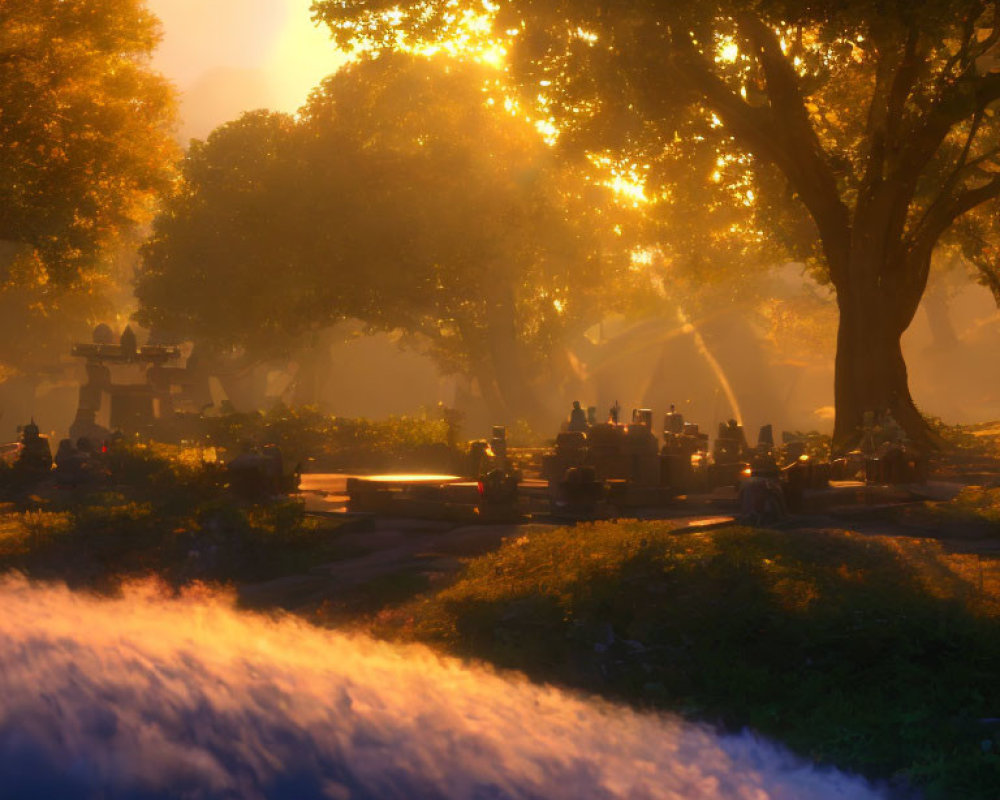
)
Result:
{"points": [[870, 373], [938, 312], [512, 379], [495, 404], [314, 362]]}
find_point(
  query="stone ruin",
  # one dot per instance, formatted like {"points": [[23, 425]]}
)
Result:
{"points": [[132, 388]]}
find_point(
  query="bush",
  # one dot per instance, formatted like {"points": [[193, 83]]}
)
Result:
{"points": [[308, 437], [980, 441], [877, 655]]}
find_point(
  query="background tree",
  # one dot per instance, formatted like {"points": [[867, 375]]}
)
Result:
{"points": [[873, 123], [406, 197], [85, 144]]}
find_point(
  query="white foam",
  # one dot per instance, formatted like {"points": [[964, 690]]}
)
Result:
{"points": [[148, 697]]}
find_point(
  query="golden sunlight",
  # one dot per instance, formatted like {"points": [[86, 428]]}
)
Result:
{"points": [[303, 55], [728, 51], [470, 38], [626, 180], [230, 56]]}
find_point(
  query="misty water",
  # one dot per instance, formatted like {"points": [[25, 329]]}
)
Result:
{"points": [[149, 697]]}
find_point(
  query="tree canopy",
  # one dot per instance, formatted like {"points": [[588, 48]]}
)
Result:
{"points": [[860, 133], [85, 144], [405, 196]]}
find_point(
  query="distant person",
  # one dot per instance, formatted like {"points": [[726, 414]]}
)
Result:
{"points": [[34, 461], [577, 418]]}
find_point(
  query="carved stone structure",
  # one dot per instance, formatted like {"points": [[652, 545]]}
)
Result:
{"points": [[129, 387]]}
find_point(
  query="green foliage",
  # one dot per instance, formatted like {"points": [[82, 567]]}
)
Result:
{"points": [[166, 475], [85, 144], [856, 136], [973, 514], [979, 503], [306, 436], [975, 441], [229, 229], [818, 446], [180, 532], [876, 655], [403, 196], [85, 126]]}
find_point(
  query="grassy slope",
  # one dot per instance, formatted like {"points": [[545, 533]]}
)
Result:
{"points": [[109, 539], [878, 655]]}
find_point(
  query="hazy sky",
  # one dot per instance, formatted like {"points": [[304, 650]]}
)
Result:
{"points": [[229, 56]]}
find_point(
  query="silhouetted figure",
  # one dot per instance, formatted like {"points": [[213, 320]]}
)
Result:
{"points": [[34, 462], [577, 419], [130, 347], [480, 458]]}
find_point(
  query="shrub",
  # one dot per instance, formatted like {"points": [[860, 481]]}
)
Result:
{"points": [[878, 655]]}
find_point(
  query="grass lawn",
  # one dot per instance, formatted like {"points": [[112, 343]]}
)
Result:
{"points": [[878, 655], [974, 513], [98, 541]]}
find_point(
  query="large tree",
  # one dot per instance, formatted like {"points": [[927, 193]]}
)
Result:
{"points": [[405, 196], [85, 145], [873, 121]]}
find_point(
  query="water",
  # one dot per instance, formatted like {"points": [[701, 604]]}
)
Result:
{"points": [[147, 697]]}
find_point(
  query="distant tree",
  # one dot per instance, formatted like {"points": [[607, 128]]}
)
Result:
{"points": [[866, 130], [406, 197], [220, 264], [85, 145]]}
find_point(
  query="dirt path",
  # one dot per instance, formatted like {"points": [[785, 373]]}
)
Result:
{"points": [[394, 559], [409, 553]]}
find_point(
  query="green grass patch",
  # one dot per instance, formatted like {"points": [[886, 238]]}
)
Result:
{"points": [[974, 513], [980, 440], [102, 540], [316, 440], [877, 655]]}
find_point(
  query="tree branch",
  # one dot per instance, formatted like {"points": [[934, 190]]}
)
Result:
{"points": [[953, 177], [943, 212], [894, 80], [962, 55], [803, 158], [748, 123], [963, 99], [902, 85], [992, 152], [885, 195]]}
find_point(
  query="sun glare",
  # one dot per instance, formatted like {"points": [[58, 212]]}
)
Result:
{"points": [[471, 37], [627, 180], [628, 188], [642, 258], [303, 55], [727, 52]]}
